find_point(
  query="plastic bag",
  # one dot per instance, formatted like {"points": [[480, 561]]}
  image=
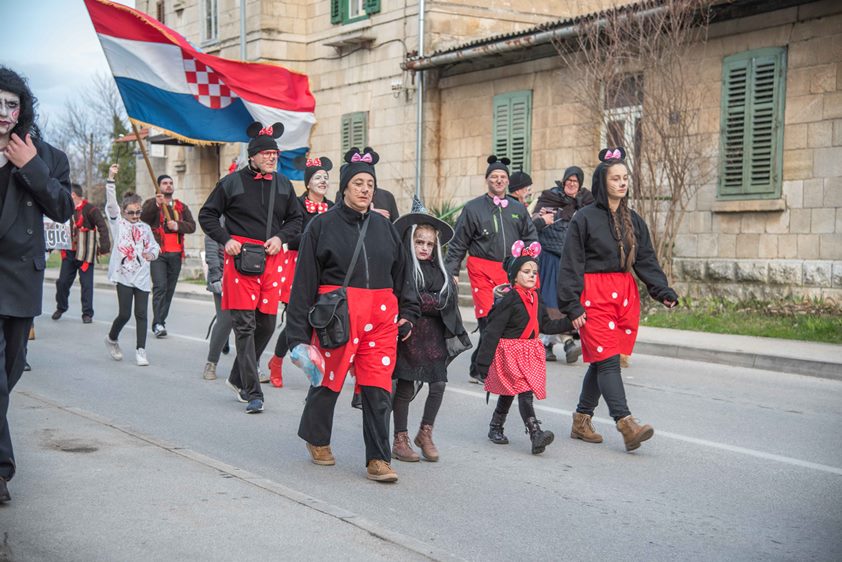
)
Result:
{"points": [[309, 359]]}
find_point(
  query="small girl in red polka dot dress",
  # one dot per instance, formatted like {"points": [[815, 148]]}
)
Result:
{"points": [[511, 357]]}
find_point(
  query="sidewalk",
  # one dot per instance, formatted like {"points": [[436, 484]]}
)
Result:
{"points": [[787, 356]]}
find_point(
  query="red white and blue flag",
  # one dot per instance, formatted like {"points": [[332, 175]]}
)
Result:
{"points": [[167, 83]]}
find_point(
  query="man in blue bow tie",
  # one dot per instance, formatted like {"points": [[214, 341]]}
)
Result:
{"points": [[486, 230]]}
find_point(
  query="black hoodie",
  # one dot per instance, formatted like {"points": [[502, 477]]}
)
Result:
{"points": [[590, 247]]}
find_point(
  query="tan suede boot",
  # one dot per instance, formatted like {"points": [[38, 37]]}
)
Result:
{"points": [[402, 450], [380, 471], [633, 433], [424, 439], [583, 429], [321, 455]]}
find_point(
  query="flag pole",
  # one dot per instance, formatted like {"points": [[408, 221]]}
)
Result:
{"points": [[142, 146]]}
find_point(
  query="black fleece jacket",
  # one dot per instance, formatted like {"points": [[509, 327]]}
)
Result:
{"points": [[243, 201], [487, 231], [590, 248], [324, 257]]}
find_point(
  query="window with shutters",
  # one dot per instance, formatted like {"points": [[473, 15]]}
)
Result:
{"points": [[159, 11], [354, 131], [623, 106], [752, 113], [347, 11], [512, 129]]}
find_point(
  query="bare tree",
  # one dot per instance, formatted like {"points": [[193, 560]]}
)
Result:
{"points": [[639, 60], [86, 129]]}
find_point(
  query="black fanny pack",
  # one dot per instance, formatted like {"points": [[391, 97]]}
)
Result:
{"points": [[329, 314], [251, 260]]}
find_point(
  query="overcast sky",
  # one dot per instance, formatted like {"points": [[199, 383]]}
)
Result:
{"points": [[53, 44]]}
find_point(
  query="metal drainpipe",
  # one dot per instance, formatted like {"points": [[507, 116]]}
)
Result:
{"points": [[419, 117]]}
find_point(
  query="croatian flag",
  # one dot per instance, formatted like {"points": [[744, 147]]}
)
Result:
{"points": [[168, 84]]}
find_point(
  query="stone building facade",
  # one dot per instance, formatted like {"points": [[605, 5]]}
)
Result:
{"points": [[787, 240]]}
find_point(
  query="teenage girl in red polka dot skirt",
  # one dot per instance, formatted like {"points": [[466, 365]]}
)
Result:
{"points": [[511, 356], [605, 241]]}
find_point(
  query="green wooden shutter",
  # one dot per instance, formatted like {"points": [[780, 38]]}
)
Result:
{"points": [[354, 131], [335, 11], [512, 129], [752, 124], [372, 6]]}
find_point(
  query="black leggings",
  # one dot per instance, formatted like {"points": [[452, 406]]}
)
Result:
{"points": [[403, 396], [281, 347], [604, 378], [524, 404], [125, 295]]}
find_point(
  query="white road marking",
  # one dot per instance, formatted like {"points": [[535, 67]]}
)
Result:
{"points": [[687, 439], [169, 334]]}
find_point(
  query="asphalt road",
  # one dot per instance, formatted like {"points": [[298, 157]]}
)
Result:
{"points": [[744, 465]]}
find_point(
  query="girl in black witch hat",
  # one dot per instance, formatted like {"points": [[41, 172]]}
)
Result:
{"points": [[313, 203], [438, 335], [605, 241]]}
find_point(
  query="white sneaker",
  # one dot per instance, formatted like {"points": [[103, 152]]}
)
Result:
{"points": [[140, 357], [113, 349]]}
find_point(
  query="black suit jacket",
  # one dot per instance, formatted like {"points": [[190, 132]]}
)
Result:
{"points": [[41, 187]]}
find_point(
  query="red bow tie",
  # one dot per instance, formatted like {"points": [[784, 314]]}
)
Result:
{"points": [[259, 176], [313, 207]]}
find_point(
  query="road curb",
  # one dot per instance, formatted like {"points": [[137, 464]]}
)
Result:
{"points": [[767, 362]]}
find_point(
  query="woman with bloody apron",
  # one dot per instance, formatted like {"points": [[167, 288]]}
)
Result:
{"points": [[380, 309], [313, 203], [596, 289]]}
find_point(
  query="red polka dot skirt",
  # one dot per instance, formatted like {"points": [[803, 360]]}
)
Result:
{"points": [[519, 365], [612, 305], [287, 273], [252, 292], [372, 345]]}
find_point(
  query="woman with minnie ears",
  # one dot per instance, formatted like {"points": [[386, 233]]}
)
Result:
{"points": [[134, 247], [381, 308], [596, 289], [511, 358], [313, 203]]}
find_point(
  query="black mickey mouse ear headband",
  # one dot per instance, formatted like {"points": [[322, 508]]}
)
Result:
{"points": [[368, 156], [495, 163], [608, 154], [263, 138]]}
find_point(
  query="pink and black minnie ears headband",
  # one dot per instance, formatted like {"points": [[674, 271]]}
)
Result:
{"points": [[497, 164], [312, 165], [521, 253], [357, 162], [609, 154], [263, 138]]}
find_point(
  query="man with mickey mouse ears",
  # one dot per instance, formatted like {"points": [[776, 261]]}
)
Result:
{"points": [[252, 295], [486, 230]]}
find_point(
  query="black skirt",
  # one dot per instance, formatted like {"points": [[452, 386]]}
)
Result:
{"points": [[423, 357]]}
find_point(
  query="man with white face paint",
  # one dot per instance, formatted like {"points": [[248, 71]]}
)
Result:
{"points": [[486, 230], [34, 181]]}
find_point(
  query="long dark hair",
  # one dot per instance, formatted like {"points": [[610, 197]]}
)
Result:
{"points": [[622, 227], [13, 82]]}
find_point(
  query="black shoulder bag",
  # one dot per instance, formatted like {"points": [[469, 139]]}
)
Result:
{"points": [[252, 257], [329, 315]]}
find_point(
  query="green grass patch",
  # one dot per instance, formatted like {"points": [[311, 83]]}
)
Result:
{"points": [[807, 320], [54, 260]]}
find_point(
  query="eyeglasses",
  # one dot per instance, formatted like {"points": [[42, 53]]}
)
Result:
{"points": [[133, 213]]}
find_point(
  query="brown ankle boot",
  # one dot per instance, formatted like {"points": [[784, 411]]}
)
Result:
{"points": [[424, 439], [402, 450], [633, 433], [583, 429]]}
